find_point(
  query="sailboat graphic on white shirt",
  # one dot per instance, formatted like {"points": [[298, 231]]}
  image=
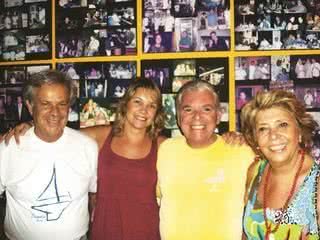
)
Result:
{"points": [[51, 202]]}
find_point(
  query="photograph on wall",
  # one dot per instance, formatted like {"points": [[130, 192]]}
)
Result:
{"points": [[309, 95], [184, 67], [96, 28], [118, 87], [276, 25], [185, 26], [121, 70], [244, 93], [282, 85], [178, 82], [305, 67], [252, 68], [95, 88], [168, 103], [13, 110], [95, 112], [13, 45], [15, 75], [160, 75], [36, 68], [280, 68], [224, 108], [13, 3]]}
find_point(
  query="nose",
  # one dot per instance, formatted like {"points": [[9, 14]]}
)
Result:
{"points": [[54, 111], [273, 133], [196, 114]]}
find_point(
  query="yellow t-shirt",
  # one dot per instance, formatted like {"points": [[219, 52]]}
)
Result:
{"points": [[201, 190]]}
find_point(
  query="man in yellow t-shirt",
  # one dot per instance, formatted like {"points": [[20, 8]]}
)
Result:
{"points": [[200, 178]]}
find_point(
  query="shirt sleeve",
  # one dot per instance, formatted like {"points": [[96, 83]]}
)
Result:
{"points": [[94, 160], [2, 159]]}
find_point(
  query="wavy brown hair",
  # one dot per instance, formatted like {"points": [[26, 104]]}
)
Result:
{"points": [[284, 100], [121, 112]]}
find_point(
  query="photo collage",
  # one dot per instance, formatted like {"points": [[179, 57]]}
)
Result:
{"points": [[277, 24], [25, 30], [96, 28], [185, 25]]}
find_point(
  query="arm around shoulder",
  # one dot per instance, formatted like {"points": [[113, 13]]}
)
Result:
{"points": [[98, 133]]}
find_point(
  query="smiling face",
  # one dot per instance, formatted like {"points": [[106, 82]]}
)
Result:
{"points": [[198, 117], [141, 109], [277, 135], [50, 108]]}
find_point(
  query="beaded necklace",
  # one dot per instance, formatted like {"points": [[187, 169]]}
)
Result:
{"points": [[269, 231]]}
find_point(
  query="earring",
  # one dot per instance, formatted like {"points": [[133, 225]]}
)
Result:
{"points": [[300, 139]]}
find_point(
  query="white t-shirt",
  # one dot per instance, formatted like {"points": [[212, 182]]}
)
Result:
{"points": [[47, 186]]}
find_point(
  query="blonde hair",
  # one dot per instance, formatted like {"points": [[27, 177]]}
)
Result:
{"points": [[121, 113], [282, 99]]}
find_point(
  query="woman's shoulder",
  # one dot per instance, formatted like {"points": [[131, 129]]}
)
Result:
{"points": [[98, 133]]}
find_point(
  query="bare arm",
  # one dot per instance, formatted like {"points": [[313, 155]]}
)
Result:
{"points": [[98, 133], [16, 132]]}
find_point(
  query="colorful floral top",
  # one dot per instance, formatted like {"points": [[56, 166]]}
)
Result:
{"points": [[299, 219]]}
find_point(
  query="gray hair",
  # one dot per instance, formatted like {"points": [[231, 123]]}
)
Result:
{"points": [[198, 85], [36, 80]]}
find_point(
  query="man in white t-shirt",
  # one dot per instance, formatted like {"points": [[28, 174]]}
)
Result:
{"points": [[48, 176]]}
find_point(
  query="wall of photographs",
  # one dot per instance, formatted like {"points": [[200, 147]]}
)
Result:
{"points": [[25, 30], [105, 44]]}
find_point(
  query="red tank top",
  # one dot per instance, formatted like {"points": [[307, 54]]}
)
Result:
{"points": [[126, 206]]}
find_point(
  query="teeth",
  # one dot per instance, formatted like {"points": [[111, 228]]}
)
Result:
{"points": [[278, 148], [197, 127], [142, 118]]}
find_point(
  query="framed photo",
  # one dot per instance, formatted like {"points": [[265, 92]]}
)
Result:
{"points": [[184, 68], [245, 93], [178, 82], [96, 112], [15, 75], [170, 111], [224, 106], [118, 87], [309, 95]]}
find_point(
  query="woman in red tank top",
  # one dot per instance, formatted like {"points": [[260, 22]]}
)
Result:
{"points": [[125, 205]]}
